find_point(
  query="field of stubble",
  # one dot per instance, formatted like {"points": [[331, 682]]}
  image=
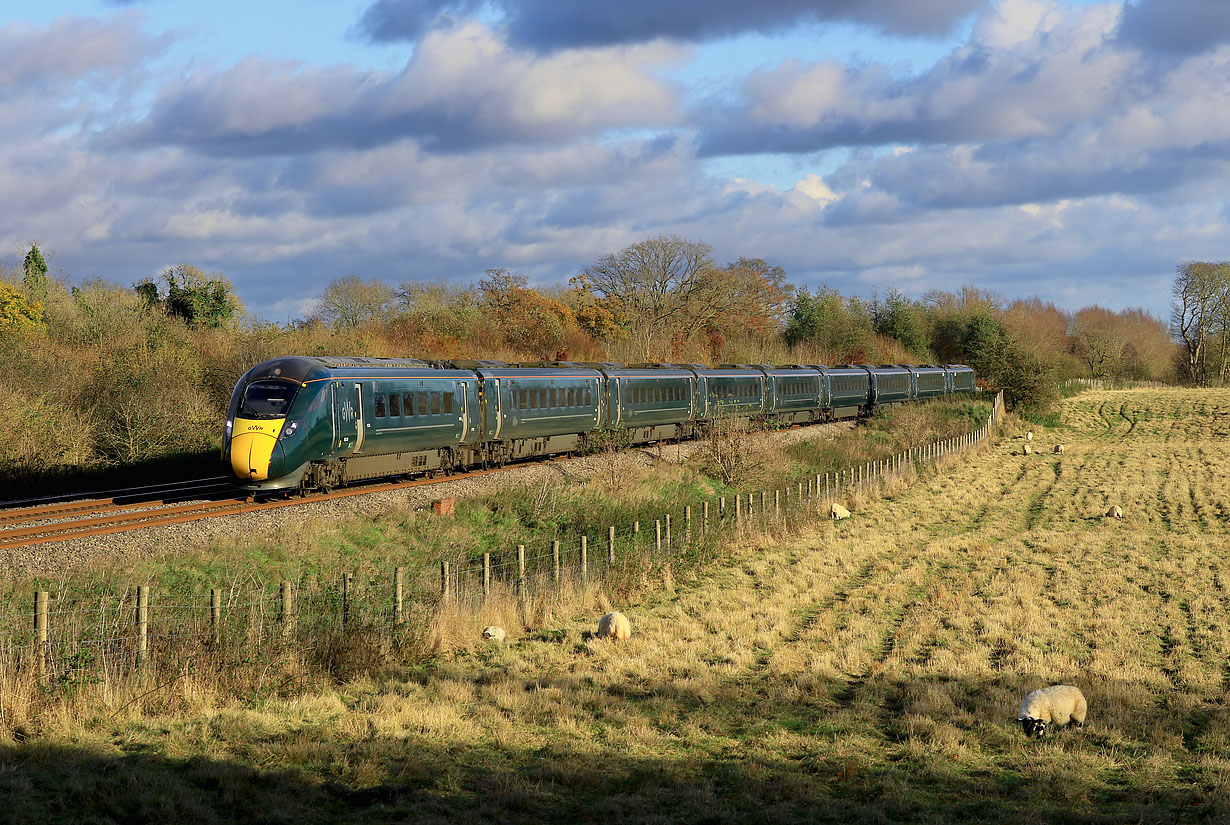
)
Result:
{"points": [[869, 673]]}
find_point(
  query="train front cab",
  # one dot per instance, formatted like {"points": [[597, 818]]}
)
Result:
{"points": [[274, 417]]}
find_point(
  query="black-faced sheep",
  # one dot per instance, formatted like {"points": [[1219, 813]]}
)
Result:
{"points": [[494, 633], [614, 626], [1115, 511], [1056, 705], [1059, 448]]}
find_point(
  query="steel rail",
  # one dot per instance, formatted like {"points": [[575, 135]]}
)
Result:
{"points": [[162, 516]]}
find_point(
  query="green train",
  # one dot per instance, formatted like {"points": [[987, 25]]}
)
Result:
{"points": [[317, 423]]}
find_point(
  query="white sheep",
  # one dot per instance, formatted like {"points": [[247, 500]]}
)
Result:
{"points": [[1115, 511], [614, 626], [1058, 705], [494, 633], [1029, 435], [836, 511], [1058, 448], [1026, 450]]}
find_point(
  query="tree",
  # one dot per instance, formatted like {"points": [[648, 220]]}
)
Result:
{"points": [[202, 300], [1200, 291], [904, 320], [17, 312], [35, 281], [1098, 341], [663, 285], [348, 302], [529, 321], [838, 329]]}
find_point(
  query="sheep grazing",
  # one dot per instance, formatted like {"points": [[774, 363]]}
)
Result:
{"points": [[1026, 450], [1115, 511], [614, 626], [1056, 705], [1029, 435], [836, 511], [1058, 448], [495, 634]]}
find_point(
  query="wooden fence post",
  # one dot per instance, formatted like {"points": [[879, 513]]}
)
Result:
{"points": [[521, 588], [738, 510], [584, 559], [687, 526], [287, 608], [215, 613], [555, 561], [399, 595], [41, 598], [610, 547], [445, 590], [658, 531], [704, 518], [142, 625], [667, 518], [777, 503], [486, 576]]}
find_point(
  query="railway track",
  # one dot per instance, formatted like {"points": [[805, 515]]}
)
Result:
{"points": [[64, 521]]}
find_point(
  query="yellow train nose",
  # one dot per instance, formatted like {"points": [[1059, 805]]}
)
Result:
{"points": [[252, 446]]}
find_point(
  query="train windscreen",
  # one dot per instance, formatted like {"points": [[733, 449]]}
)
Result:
{"points": [[267, 399]]}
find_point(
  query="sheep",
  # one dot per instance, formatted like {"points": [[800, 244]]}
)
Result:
{"points": [[1057, 704], [494, 633], [836, 511], [1115, 511], [1029, 435], [1026, 450], [1058, 448], [614, 626]]}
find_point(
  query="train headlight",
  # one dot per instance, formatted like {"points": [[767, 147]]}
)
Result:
{"points": [[289, 429]]}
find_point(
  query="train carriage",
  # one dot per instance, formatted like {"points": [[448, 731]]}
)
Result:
{"points": [[960, 378], [930, 381], [848, 390], [732, 390], [890, 383], [795, 393]]}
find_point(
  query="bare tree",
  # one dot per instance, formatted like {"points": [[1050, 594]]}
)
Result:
{"points": [[349, 301], [662, 284], [1201, 296]]}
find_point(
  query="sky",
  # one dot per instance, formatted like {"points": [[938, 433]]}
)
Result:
{"points": [[1076, 151]]}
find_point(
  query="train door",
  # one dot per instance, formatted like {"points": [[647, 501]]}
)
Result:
{"points": [[347, 416]]}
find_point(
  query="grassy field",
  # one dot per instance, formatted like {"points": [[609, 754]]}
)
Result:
{"points": [[868, 673]]}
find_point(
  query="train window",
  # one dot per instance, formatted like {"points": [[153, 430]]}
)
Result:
{"points": [[394, 405], [523, 400], [422, 402], [589, 397], [435, 403], [572, 396], [408, 403], [448, 402], [267, 399], [381, 410]]}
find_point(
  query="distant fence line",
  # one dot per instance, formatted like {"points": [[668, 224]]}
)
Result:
{"points": [[1114, 384], [65, 639]]}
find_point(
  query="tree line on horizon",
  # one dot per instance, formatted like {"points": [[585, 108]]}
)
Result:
{"points": [[102, 374]]}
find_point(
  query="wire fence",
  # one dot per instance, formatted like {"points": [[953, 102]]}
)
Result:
{"points": [[67, 639]]}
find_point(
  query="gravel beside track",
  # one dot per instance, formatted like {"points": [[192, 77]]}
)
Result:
{"points": [[57, 558]]}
